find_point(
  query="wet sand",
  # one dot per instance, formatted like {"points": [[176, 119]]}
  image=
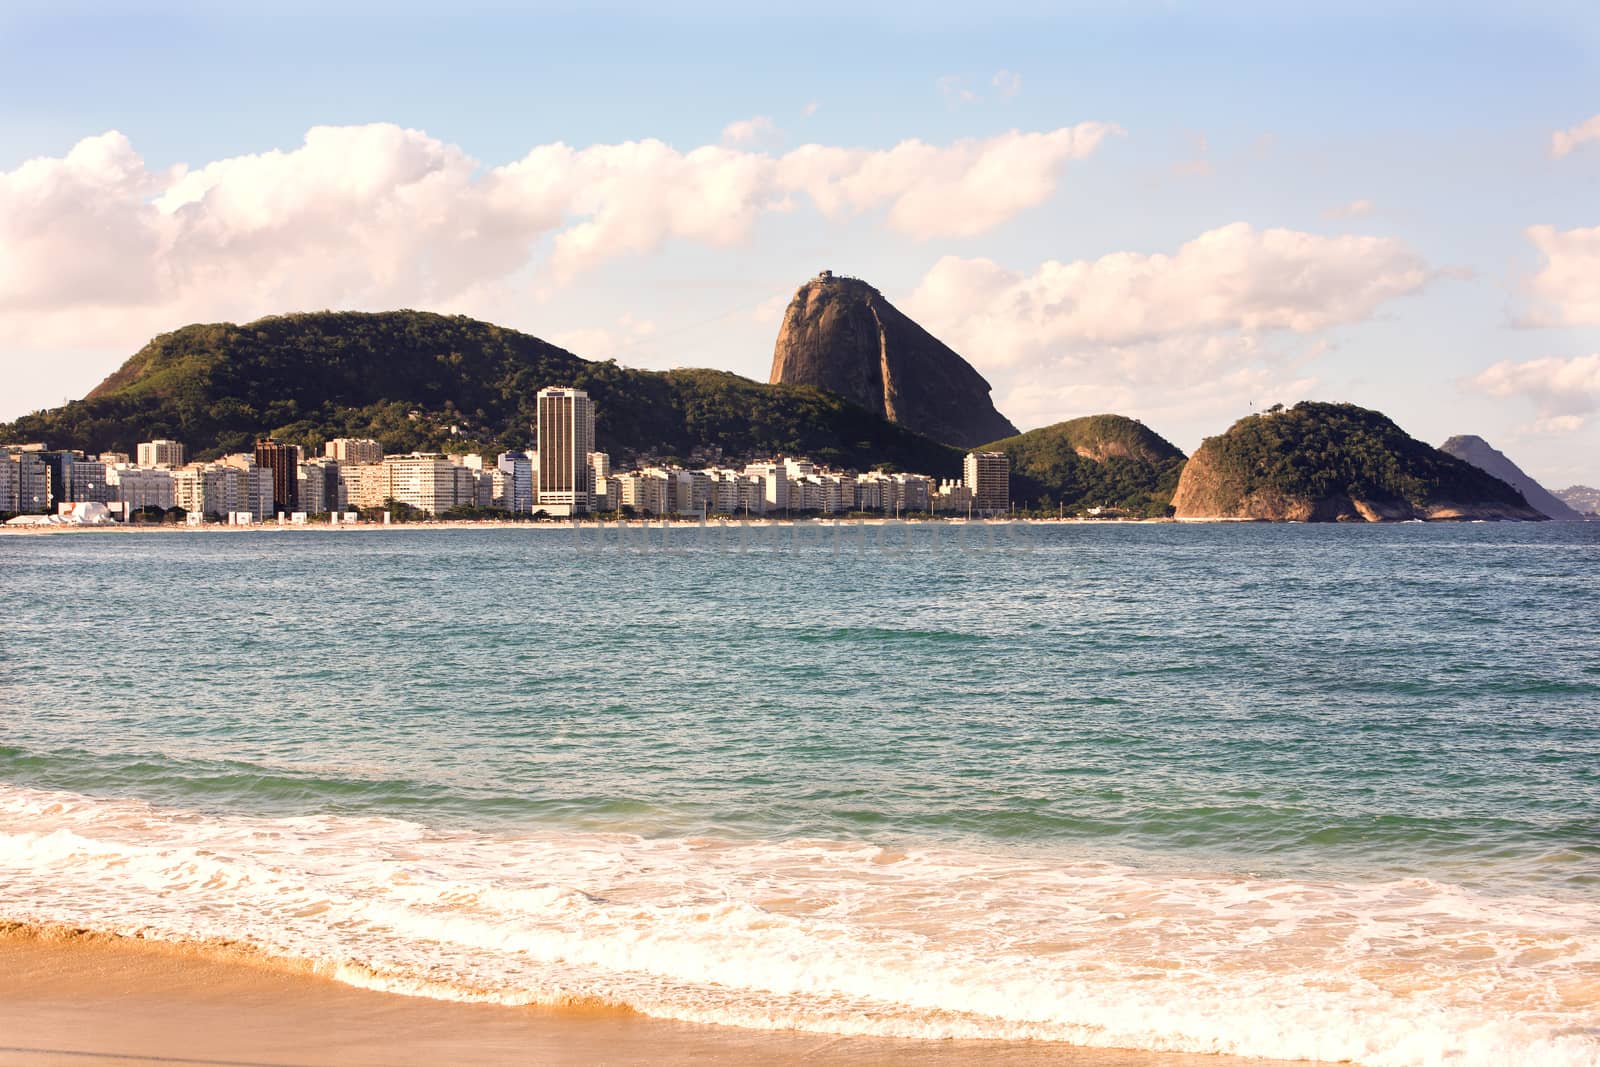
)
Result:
{"points": [[90, 1000]]}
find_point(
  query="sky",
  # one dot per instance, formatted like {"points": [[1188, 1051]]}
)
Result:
{"points": [[1179, 212]]}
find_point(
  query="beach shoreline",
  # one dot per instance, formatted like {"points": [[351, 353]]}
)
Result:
{"points": [[71, 996], [566, 527]]}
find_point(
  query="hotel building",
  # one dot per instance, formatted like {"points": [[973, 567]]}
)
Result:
{"points": [[564, 480]]}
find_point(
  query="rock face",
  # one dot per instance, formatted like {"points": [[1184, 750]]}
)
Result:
{"points": [[1478, 452], [1335, 463], [1581, 498], [841, 335]]}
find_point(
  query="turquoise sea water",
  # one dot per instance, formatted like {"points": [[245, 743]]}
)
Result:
{"points": [[1274, 790]]}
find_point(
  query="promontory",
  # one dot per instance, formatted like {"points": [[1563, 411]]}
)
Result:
{"points": [[1320, 462]]}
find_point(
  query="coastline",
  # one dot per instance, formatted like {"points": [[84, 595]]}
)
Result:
{"points": [[70, 996], [566, 527]]}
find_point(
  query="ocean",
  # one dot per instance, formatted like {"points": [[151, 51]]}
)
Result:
{"points": [[1321, 792]]}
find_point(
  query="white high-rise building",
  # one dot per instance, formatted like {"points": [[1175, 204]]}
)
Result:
{"points": [[250, 489], [775, 481], [564, 478], [429, 482], [988, 477], [162, 453], [208, 489], [517, 496]]}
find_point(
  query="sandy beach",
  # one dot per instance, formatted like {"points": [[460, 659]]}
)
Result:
{"points": [[71, 999]]}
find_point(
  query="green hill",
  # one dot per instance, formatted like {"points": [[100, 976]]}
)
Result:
{"points": [[1107, 461], [419, 381], [1333, 462]]}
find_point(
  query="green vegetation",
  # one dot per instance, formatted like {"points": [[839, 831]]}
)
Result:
{"points": [[1098, 461], [417, 381], [1316, 451]]}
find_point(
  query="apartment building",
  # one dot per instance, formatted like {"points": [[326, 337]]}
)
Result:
{"points": [[988, 478], [161, 453], [353, 450]]}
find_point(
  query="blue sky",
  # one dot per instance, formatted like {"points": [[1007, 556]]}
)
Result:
{"points": [[1368, 176]]}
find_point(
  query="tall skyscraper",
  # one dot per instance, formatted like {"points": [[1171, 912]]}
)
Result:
{"points": [[565, 480], [284, 463], [989, 481]]}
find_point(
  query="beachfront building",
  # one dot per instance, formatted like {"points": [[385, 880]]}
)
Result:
{"points": [[140, 487], [202, 489], [988, 478], [8, 483], [363, 485], [608, 493], [515, 489], [87, 483], [311, 489], [319, 486], [645, 492], [564, 481], [353, 450], [250, 489], [774, 478], [429, 482], [952, 498], [31, 476], [160, 453], [283, 461], [722, 491], [59, 462]]}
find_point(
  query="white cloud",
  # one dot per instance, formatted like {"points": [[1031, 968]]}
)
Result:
{"points": [[1235, 278], [955, 191], [1564, 391], [96, 248], [1007, 83], [811, 108], [757, 129], [1566, 289], [1563, 142], [1355, 209], [1233, 315]]}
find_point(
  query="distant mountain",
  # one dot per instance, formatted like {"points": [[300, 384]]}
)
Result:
{"points": [[1581, 498], [1320, 462], [1104, 461], [420, 381], [841, 335], [1478, 452]]}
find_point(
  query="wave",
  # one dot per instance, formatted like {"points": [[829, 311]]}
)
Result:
{"points": [[842, 937]]}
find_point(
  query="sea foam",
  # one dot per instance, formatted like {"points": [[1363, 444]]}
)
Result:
{"points": [[837, 937]]}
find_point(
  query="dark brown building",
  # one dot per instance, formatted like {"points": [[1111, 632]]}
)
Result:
{"points": [[284, 462]]}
